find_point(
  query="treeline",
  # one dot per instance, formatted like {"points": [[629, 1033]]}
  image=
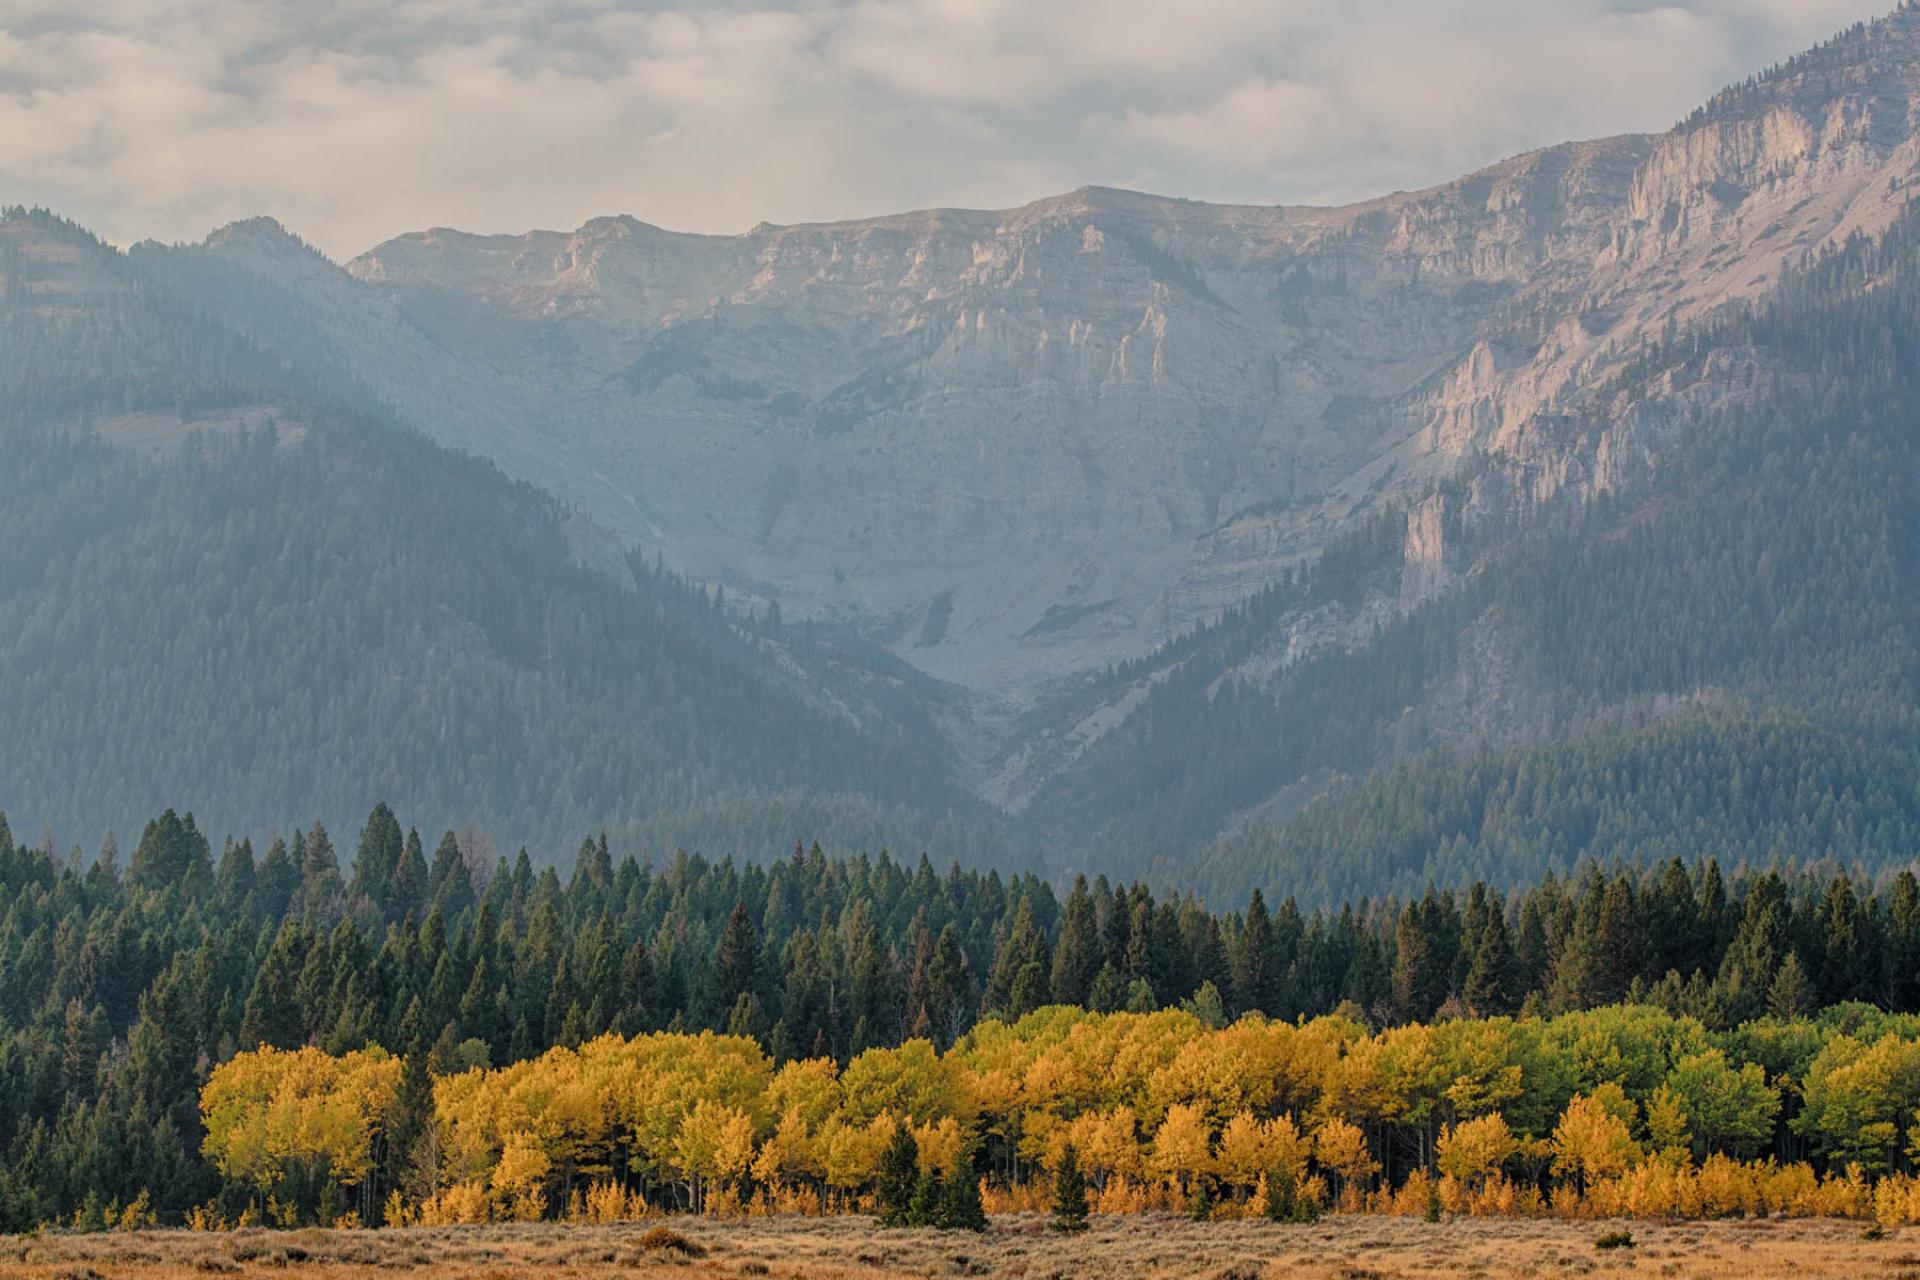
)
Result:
{"points": [[1621, 1109], [1748, 785], [122, 986]]}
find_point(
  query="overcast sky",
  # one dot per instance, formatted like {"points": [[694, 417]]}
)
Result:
{"points": [[354, 120]]}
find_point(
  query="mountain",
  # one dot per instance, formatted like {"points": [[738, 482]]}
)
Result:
{"points": [[1321, 549], [1016, 445], [228, 584], [1723, 654]]}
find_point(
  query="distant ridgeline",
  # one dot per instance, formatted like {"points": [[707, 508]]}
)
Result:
{"points": [[226, 573], [122, 987]]}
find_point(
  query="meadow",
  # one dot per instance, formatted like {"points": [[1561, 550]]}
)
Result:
{"points": [[1137, 1247]]}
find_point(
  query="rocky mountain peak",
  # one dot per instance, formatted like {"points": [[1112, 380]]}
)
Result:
{"points": [[1014, 444]]}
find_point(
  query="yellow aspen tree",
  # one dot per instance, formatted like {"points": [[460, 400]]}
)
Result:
{"points": [[1591, 1142], [1182, 1148], [715, 1144], [1474, 1150], [1244, 1155], [1341, 1147], [1109, 1145], [940, 1144], [1667, 1131], [790, 1155], [518, 1182]]}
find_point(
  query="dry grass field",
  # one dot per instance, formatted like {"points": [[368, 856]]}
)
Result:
{"points": [[1136, 1248]]}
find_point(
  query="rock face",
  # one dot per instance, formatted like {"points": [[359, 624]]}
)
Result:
{"points": [[1013, 444], [1016, 445]]}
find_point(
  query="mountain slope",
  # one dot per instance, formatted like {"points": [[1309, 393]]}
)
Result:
{"points": [[1723, 652], [225, 587]]}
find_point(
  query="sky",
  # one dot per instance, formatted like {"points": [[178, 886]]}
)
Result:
{"points": [[355, 120]]}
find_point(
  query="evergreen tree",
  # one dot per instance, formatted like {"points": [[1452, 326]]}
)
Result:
{"points": [[1256, 966], [171, 852], [1791, 994], [1077, 953], [1069, 1193], [960, 1206], [736, 962], [899, 1178], [405, 894], [449, 886], [1491, 980], [374, 862]]}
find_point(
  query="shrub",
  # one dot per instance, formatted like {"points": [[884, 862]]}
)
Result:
{"points": [[667, 1240], [1201, 1206], [1615, 1240]]}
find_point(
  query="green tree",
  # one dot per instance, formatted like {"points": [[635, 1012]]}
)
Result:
{"points": [[899, 1178], [1069, 1192]]}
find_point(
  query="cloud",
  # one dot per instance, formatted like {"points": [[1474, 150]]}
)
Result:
{"points": [[356, 120]]}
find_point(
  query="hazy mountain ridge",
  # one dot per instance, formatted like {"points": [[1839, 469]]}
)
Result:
{"points": [[1014, 445], [278, 600]]}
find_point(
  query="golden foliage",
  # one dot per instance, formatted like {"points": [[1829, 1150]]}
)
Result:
{"points": [[1624, 1110]]}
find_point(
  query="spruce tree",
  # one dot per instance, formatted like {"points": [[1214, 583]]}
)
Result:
{"points": [[1076, 955], [1488, 990], [449, 886], [898, 1179], [1255, 961], [929, 1193], [736, 962], [1791, 994], [1069, 1193], [960, 1207], [381, 844]]}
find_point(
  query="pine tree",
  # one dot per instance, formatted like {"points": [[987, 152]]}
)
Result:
{"points": [[1076, 954], [1069, 1193], [736, 961], [898, 1179], [233, 879], [1488, 990], [960, 1206], [172, 852], [449, 887], [321, 888], [1200, 1208], [1845, 970], [929, 1192], [1791, 994], [373, 863], [408, 1125], [1109, 991], [1256, 969], [948, 1000], [406, 888]]}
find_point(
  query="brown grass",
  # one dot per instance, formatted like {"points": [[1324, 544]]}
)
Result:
{"points": [[1018, 1247]]}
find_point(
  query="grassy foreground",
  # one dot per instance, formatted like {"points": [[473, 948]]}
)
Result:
{"points": [[1353, 1247]]}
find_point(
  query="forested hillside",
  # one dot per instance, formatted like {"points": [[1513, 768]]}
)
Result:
{"points": [[127, 980], [1723, 651], [300, 605]]}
